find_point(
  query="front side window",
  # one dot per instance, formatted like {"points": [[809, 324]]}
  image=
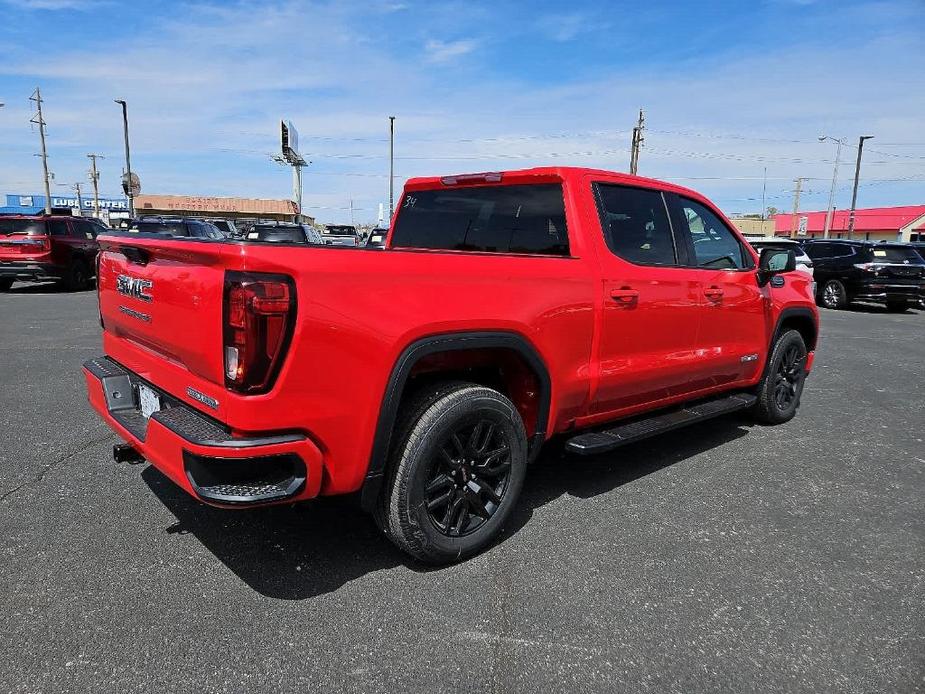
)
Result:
{"points": [[635, 224], [489, 219], [715, 246]]}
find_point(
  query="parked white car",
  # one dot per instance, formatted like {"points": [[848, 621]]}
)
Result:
{"points": [[804, 262]]}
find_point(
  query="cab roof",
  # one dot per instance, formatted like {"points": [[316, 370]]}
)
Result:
{"points": [[541, 174]]}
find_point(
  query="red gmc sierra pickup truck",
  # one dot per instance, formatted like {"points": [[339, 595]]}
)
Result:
{"points": [[504, 309]]}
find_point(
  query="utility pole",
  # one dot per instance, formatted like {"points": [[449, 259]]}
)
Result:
{"points": [[764, 191], [391, 167], [38, 120], [829, 211], [95, 178], [128, 159], [638, 139], [80, 202], [857, 175], [796, 205]]}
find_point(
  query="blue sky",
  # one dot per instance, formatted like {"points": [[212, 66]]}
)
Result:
{"points": [[729, 89]]}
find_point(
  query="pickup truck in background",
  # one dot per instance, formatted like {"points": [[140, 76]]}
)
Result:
{"points": [[505, 309]]}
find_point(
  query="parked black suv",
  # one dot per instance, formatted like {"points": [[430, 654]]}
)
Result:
{"points": [[892, 274], [177, 226]]}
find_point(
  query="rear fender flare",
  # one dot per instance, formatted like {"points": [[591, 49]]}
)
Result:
{"points": [[398, 379]]}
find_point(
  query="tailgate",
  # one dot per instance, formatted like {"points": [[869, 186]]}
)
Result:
{"points": [[165, 296]]}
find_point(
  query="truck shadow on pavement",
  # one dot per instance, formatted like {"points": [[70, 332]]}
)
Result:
{"points": [[302, 550]]}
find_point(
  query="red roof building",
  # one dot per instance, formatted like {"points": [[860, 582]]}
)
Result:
{"points": [[906, 223]]}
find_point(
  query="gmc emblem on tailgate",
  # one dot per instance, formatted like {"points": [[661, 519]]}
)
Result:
{"points": [[134, 287]]}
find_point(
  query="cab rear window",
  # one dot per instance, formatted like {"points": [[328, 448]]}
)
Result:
{"points": [[526, 219]]}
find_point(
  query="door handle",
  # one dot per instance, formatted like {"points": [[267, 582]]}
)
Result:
{"points": [[713, 293], [624, 295]]}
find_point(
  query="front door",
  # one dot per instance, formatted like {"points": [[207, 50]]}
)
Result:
{"points": [[732, 340], [651, 305]]}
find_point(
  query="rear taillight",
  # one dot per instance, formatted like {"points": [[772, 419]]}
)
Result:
{"points": [[37, 244], [868, 267], [259, 315]]}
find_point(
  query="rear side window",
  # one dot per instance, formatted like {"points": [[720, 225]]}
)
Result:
{"points": [[490, 219], [635, 224], [57, 227], [715, 246]]}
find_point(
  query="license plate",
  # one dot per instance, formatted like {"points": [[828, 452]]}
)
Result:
{"points": [[149, 401]]}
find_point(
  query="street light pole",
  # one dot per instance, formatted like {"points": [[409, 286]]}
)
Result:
{"points": [[391, 166], [128, 159], [857, 175], [828, 210]]}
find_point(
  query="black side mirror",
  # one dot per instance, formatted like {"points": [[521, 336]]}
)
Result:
{"points": [[775, 261]]}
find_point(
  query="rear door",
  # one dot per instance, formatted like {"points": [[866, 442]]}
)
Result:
{"points": [[162, 299], [732, 335], [63, 241], [651, 304]]}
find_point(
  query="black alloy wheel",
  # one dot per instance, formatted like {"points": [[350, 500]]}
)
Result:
{"points": [[789, 377], [834, 295], [781, 386], [469, 476], [456, 468]]}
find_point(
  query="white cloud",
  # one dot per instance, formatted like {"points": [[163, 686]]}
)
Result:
{"points": [[445, 51], [564, 27]]}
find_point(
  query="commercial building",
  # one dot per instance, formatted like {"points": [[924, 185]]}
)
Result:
{"points": [[226, 208], [754, 226], [110, 208], [906, 223]]}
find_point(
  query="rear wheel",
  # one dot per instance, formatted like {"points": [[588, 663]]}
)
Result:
{"points": [[898, 306], [834, 295], [457, 469], [77, 278], [780, 390], [5, 283]]}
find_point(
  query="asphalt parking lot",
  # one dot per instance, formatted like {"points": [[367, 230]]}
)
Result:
{"points": [[725, 557]]}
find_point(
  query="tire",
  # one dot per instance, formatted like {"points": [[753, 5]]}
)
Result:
{"points": [[455, 473], [898, 306], [5, 284], [77, 278], [833, 295], [782, 385]]}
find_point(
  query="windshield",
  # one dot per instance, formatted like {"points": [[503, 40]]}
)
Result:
{"points": [[340, 231], [892, 254], [30, 227]]}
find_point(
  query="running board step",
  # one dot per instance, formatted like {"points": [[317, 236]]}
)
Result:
{"points": [[594, 442]]}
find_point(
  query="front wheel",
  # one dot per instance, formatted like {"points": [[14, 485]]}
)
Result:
{"points": [[5, 283], [780, 390], [456, 472]]}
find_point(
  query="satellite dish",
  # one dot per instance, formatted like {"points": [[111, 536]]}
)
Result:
{"points": [[131, 186]]}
